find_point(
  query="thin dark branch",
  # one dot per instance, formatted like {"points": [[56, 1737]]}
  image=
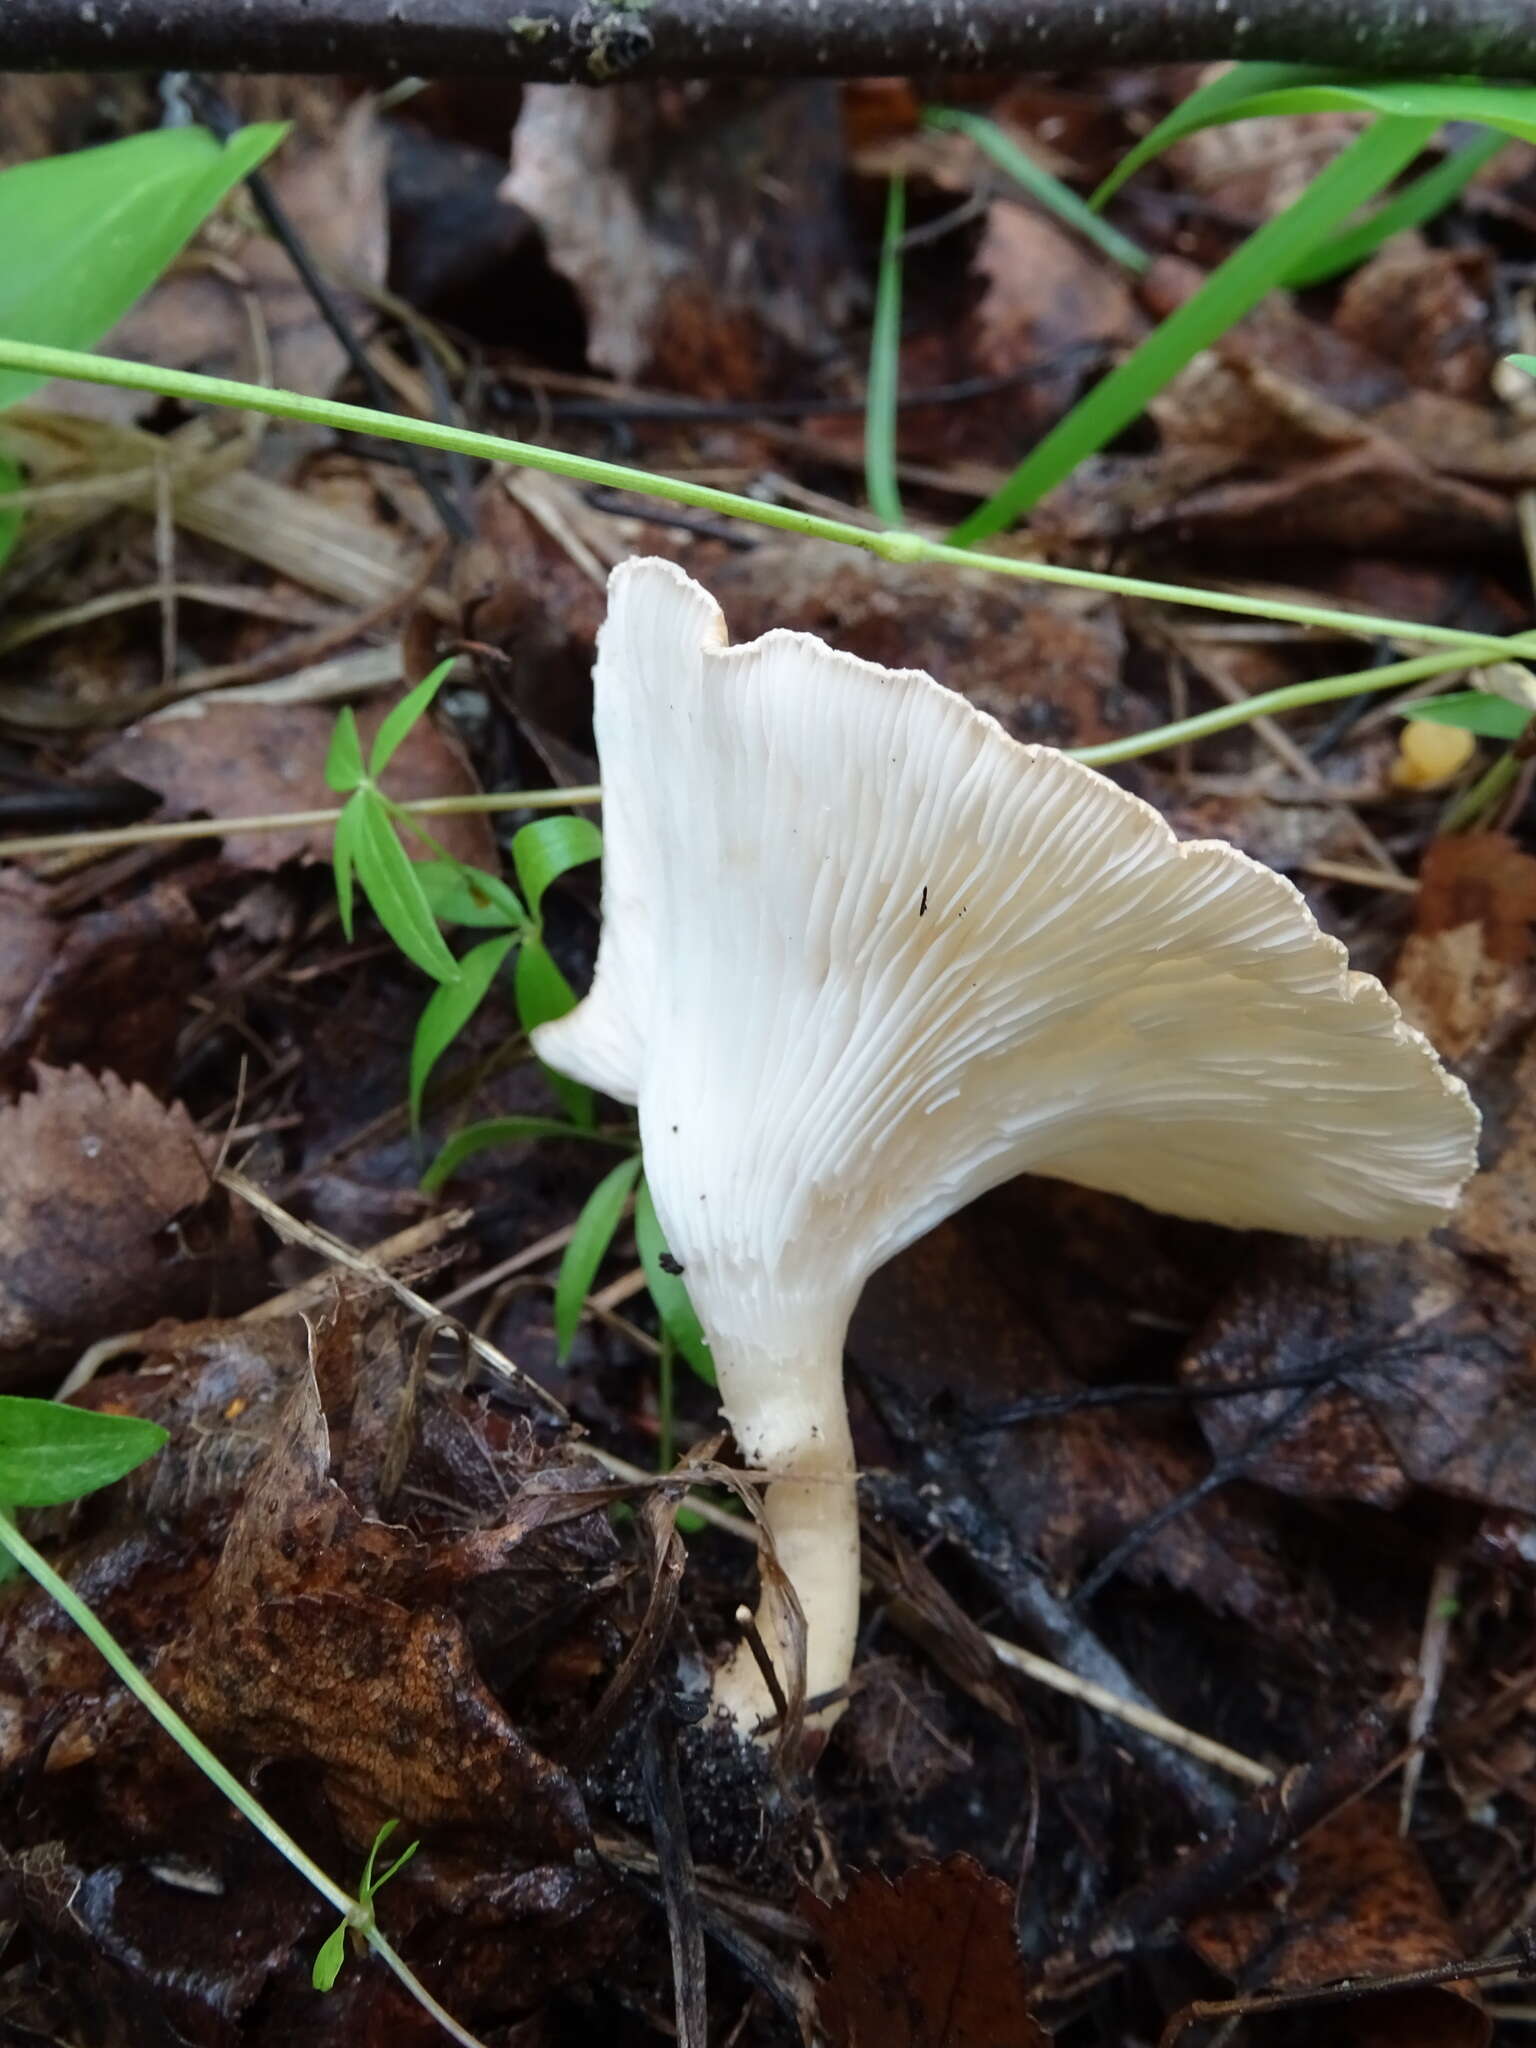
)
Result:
{"points": [[597, 42]]}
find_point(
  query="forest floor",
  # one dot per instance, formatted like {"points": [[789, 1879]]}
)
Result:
{"points": [[1284, 1490]]}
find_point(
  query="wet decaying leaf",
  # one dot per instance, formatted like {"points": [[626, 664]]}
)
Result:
{"points": [[111, 992], [93, 1173], [926, 1961], [254, 759], [1360, 1903], [306, 1650]]}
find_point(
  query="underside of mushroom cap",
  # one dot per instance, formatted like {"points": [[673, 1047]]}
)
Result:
{"points": [[864, 955]]}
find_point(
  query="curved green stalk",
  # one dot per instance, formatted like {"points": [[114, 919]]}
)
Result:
{"points": [[1292, 697], [890, 546], [197, 1751]]}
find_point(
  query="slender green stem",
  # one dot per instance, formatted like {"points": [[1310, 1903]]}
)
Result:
{"points": [[892, 547], [885, 365], [197, 1751], [288, 821], [999, 145], [1293, 697], [1476, 802]]}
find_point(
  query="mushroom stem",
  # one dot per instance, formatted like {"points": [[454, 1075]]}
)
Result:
{"points": [[790, 1419]]}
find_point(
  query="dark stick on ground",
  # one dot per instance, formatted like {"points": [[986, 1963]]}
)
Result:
{"points": [[952, 1504], [599, 42], [1212, 1873]]}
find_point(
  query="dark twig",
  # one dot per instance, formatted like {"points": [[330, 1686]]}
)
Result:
{"points": [[1520, 1963], [1164, 1901], [211, 108], [954, 1506], [674, 1857], [599, 42]]}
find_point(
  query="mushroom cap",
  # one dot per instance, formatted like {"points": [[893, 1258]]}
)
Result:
{"points": [[864, 956]]}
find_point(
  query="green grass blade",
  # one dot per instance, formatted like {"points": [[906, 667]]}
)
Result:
{"points": [[448, 1010], [1205, 108], [1230, 292], [588, 1247], [11, 480], [1416, 204], [880, 483], [1511, 108], [997, 144], [388, 877]]}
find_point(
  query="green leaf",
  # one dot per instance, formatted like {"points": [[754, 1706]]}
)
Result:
{"points": [[502, 1130], [10, 516], [1511, 108], [344, 859], [1205, 109], [84, 235], [1490, 717], [389, 880], [1371, 161], [328, 1962], [51, 1453], [543, 993], [544, 850], [1051, 193], [344, 757], [588, 1248], [668, 1290], [469, 896], [404, 715], [396, 1867], [1418, 202], [366, 1886], [883, 386], [449, 1009], [1526, 363]]}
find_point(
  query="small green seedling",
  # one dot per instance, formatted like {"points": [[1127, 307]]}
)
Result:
{"points": [[360, 1923]]}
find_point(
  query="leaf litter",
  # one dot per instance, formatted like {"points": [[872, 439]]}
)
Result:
{"points": [[1226, 1474]]}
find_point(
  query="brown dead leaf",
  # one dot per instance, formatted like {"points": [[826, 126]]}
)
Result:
{"points": [[1045, 294], [112, 992], [1430, 1371], [304, 1648], [1047, 667], [252, 759], [1464, 975], [28, 938], [653, 206], [928, 1961], [1361, 1904], [92, 1173], [1428, 311]]}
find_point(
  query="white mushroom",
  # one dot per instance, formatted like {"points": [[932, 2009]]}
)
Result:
{"points": [[864, 956]]}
